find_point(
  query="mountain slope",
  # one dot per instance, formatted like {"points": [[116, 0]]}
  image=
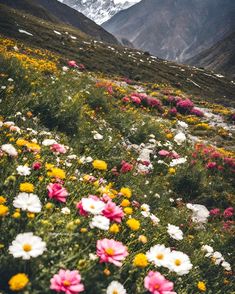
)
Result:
{"points": [[174, 29], [55, 11], [220, 57], [98, 10], [70, 43]]}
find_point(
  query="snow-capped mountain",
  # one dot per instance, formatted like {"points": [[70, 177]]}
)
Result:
{"points": [[99, 10]]}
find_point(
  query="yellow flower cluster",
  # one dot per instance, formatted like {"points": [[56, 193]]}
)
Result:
{"points": [[18, 282]]}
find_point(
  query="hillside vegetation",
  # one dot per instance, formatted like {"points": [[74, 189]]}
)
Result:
{"points": [[71, 43], [117, 182]]}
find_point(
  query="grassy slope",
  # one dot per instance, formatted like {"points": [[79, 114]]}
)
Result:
{"points": [[99, 57], [74, 106]]}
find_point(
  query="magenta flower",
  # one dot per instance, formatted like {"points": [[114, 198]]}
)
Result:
{"points": [[36, 165], [229, 212], [67, 281], [58, 148], [156, 283], [215, 211], [126, 167], [57, 191], [135, 99], [111, 251], [211, 165], [113, 212], [72, 63]]}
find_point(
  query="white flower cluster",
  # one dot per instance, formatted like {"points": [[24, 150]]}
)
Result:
{"points": [[216, 257], [175, 261]]}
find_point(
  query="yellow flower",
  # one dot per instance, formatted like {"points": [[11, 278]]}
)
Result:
{"points": [[133, 224], [26, 187], [114, 229], [3, 210], [143, 239], [140, 260], [2, 200], [126, 192], [125, 203], [201, 286], [100, 164], [16, 214], [49, 205], [18, 282], [31, 215], [49, 166], [56, 172], [128, 210], [169, 136], [83, 230], [171, 170]]}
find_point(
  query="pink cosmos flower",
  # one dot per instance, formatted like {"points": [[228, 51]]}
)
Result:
{"points": [[126, 99], [72, 63], [56, 191], [67, 281], [126, 167], [228, 212], [164, 153], [36, 165], [215, 211], [111, 251], [113, 212], [136, 99], [156, 283], [58, 148]]}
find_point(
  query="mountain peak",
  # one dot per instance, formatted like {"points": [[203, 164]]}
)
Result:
{"points": [[99, 10]]}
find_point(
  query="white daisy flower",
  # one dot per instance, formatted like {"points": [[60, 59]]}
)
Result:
{"points": [[93, 206], [175, 232], [226, 266], [23, 170], [101, 222], [179, 263], [65, 210], [154, 219], [48, 142], [98, 136], [9, 149], [27, 245], [115, 287], [180, 138], [208, 249], [158, 254], [217, 257], [29, 202], [200, 213]]}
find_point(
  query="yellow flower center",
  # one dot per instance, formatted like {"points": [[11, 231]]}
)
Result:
{"points": [[156, 287], [27, 247], [115, 292], [178, 262], [160, 256], [109, 251], [92, 206], [66, 283]]}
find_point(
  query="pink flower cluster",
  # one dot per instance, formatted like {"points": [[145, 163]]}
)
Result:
{"points": [[58, 148], [183, 106], [143, 100], [112, 211]]}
